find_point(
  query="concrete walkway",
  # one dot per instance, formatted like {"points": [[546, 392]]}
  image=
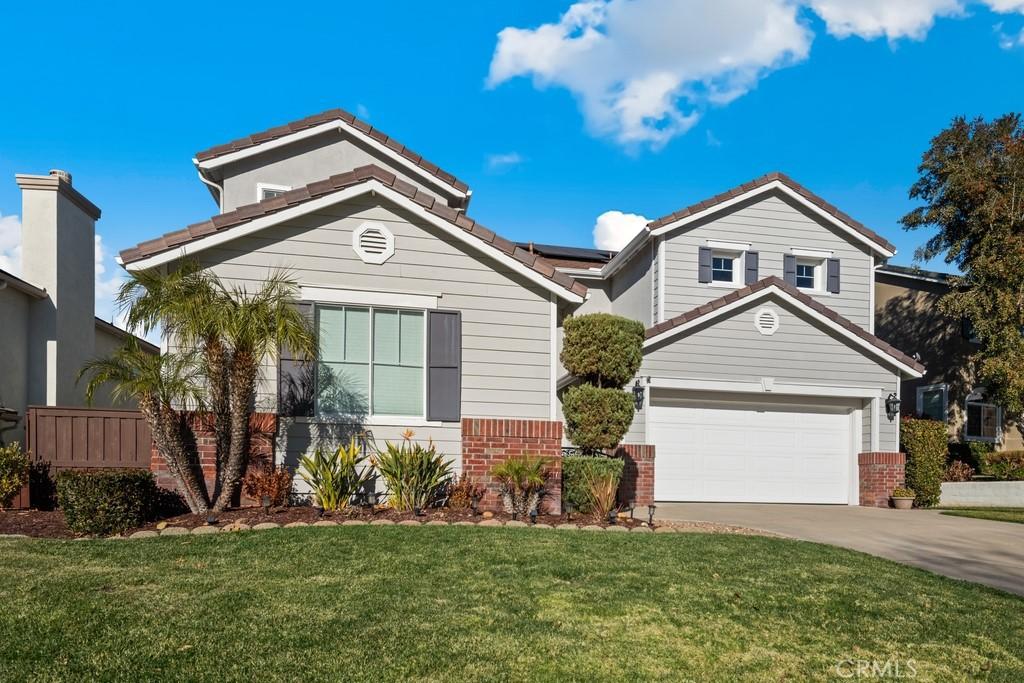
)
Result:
{"points": [[960, 547]]}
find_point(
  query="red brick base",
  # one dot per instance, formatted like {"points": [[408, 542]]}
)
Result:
{"points": [[261, 448], [488, 442], [637, 486], [880, 473]]}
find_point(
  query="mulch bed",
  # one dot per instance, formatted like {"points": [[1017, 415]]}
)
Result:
{"points": [[51, 524]]}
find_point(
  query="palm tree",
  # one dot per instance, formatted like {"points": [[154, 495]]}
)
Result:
{"points": [[254, 327], [160, 384], [185, 303]]}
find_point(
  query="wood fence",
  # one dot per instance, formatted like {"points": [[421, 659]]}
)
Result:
{"points": [[79, 438]]}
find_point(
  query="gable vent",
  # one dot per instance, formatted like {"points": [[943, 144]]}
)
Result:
{"points": [[766, 321], [373, 243]]}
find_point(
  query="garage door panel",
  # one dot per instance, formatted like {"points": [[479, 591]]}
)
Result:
{"points": [[743, 452]]}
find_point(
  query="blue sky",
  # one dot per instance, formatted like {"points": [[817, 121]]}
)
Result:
{"points": [[635, 106]]}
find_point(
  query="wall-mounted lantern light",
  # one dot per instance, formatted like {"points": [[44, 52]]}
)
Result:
{"points": [[638, 395], [892, 406]]}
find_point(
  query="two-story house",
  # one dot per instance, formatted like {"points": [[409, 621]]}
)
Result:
{"points": [[762, 379]]}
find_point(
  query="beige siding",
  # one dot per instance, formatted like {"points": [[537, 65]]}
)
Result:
{"points": [[14, 344], [773, 226], [505, 319], [631, 286]]}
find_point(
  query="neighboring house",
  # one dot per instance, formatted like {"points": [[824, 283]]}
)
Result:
{"points": [[761, 380], [908, 316], [49, 328]]}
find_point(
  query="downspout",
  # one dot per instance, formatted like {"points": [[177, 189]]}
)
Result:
{"points": [[206, 181]]}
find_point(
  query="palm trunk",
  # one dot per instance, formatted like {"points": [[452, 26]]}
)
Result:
{"points": [[168, 437], [220, 406], [243, 391]]}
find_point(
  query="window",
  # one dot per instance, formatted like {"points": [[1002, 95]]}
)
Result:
{"points": [[809, 273], [371, 362], [723, 268], [268, 191], [932, 401], [983, 418]]}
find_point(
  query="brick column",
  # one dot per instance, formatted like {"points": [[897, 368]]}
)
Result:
{"points": [[637, 485], [489, 442], [880, 473]]}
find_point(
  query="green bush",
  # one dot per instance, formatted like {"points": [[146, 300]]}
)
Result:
{"points": [[926, 444], [416, 476], [1004, 465], [578, 471], [603, 349], [333, 477], [596, 418], [106, 501], [969, 452], [13, 472]]}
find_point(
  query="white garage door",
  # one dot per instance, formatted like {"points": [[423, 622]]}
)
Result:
{"points": [[731, 451]]}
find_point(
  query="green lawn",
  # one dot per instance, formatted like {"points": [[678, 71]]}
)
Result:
{"points": [[435, 604], [998, 514]]}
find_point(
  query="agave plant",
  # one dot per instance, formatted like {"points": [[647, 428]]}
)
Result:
{"points": [[335, 477], [416, 475], [522, 480]]}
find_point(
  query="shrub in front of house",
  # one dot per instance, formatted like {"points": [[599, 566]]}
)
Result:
{"points": [[523, 480], [1003, 465], [926, 444], [969, 452], [958, 471], [580, 472], [462, 493], [416, 476], [13, 472], [104, 502], [263, 479], [334, 477], [596, 419]]}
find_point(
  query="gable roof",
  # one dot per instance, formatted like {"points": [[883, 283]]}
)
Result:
{"points": [[173, 242], [720, 306], [15, 282], [915, 273], [329, 116]]}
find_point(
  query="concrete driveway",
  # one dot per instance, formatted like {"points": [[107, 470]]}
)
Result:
{"points": [[960, 547]]}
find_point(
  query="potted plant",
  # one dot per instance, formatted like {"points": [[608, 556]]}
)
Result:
{"points": [[903, 498]]}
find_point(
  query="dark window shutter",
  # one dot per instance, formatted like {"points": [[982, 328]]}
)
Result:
{"points": [[832, 279], [444, 366], [704, 264], [789, 269], [296, 376], [750, 268]]}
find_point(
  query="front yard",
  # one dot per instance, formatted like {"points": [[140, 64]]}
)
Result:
{"points": [[457, 603], [997, 514]]}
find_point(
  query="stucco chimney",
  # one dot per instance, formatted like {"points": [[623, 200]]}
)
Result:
{"points": [[58, 228]]}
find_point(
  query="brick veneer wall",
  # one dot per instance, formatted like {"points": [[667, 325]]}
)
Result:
{"points": [[880, 473], [637, 484], [261, 449], [488, 442]]}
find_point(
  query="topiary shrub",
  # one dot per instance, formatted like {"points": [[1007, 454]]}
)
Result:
{"points": [[595, 418], [1003, 465], [925, 442], [578, 471], [603, 349], [106, 501], [13, 472]]}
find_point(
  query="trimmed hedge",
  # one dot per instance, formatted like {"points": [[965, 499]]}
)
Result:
{"points": [[577, 470], [603, 349], [13, 472], [596, 419], [1003, 465], [926, 444], [107, 502]]}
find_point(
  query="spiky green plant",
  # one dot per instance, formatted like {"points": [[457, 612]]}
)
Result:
{"points": [[335, 476], [415, 475], [522, 479]]}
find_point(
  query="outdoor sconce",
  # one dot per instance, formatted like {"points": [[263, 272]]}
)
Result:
{"points": [[611, 518], [631, 507], [892, 406], [638, 395], [265, 503], [650, 513], [533, 516]]}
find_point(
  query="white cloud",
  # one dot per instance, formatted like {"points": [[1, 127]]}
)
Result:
{"points": [[106, 286], [500, 162], [871, 19], [644, 70], [10, 244], [1009, 41], [614, 229]]}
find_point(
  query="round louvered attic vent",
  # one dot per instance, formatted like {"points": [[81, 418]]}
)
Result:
{"points": [[373, 243], [766, 321]]}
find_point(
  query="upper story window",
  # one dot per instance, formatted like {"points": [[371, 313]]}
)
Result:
{"points": [[808, 274], [725, 263], [812, 270], [269, 191], [933, 401], [984, 418], [723, 267]]}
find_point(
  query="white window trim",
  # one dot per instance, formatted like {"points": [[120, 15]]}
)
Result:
{"points": [[999, 418], [944, 388], [372, 418], [382, 298], [729, 246], [738, 266], [812, 253], [269, 186]]}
